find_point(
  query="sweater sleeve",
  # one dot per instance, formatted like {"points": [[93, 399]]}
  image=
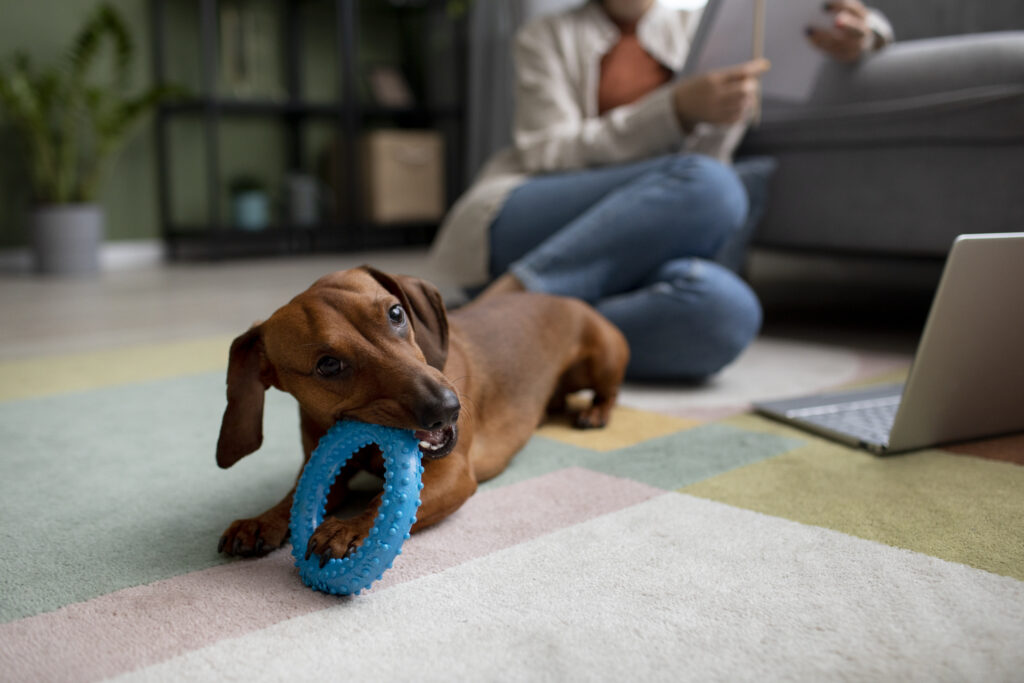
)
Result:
{"points": [[551, 131], [881, 30]]}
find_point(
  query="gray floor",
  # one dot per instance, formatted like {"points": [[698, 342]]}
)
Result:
{"points": [[176, 301], [814, 337]]}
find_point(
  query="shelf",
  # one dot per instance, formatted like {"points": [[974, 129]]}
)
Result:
{"points": [[225, 241], [202, 229], [207, 156], [450, 111], [237, 107], [251, 107]]}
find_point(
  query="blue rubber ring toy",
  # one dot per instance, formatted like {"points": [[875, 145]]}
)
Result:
{"points": [[396, 515]]}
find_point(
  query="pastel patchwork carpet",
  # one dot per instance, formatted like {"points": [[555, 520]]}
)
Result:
{"points": [[702, 545]]}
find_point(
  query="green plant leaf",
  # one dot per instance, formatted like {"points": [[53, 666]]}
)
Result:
{"points": [[72, 119]]}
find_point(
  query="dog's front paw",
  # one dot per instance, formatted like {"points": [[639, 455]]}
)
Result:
{"points": [[254, 537], [336, 538], [593, 417]]}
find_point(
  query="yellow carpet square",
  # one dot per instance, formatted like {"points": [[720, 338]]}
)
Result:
{"points": [[626, 428], [44, 376]]}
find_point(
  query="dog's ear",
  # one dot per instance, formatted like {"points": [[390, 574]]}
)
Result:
{"points": [[426, 310], [241, 428]]}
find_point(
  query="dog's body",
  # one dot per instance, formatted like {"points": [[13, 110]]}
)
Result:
{"points": [[364, 345]]}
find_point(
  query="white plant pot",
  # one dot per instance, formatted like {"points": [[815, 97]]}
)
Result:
{"points": [[66, 239]]}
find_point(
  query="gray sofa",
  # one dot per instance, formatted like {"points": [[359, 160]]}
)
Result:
{"points": [[899, 154]]}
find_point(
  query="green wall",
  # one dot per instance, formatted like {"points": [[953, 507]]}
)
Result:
{"points": [[44, 28]]}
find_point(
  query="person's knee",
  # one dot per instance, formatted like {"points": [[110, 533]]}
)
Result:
{"points": [[732, 314], [739, 317], [709, 317], [718, 187]]}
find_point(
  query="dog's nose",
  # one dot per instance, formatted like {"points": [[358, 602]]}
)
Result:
{"points": [[439, 412]]}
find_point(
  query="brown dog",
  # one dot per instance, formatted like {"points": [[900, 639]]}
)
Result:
{"points": [[363, 345]]}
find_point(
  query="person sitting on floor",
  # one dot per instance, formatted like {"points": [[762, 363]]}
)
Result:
{"points": [[619, 189]]}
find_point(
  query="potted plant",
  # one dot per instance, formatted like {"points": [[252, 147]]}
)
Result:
{"points": [[72, 121]]}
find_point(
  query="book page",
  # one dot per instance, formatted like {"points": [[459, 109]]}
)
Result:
{"points": [[725, 38]]}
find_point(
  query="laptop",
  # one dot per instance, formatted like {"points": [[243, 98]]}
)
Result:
{"points": [[967, 378]]}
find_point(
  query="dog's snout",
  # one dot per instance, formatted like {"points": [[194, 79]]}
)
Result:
{"points": [[441, 411]]}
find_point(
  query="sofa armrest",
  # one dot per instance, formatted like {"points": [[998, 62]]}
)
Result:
{"points": [[916, 81]]}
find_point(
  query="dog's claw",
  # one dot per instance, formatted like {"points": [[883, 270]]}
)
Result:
{"points": [[594, 417], [325, 557], [236, 546], [310, 547], [221, 543]]}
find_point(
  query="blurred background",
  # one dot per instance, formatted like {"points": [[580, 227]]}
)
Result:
{"points": [[265, 127]]}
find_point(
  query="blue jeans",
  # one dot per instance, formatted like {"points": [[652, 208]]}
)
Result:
{"points": [[637, 241]]}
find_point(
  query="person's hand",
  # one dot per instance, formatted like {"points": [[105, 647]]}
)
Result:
{"points": [[849, 36], [722, 96]]}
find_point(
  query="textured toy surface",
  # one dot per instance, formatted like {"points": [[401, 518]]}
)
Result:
{"points": [[396, 515]]}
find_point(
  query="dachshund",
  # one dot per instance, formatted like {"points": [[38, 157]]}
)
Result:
{"points": [[473, 385]]}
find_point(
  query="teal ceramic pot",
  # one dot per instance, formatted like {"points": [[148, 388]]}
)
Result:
{"points": [[251, 210]]}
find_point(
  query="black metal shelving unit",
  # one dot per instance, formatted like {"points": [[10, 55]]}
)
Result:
{"points": [[347, 230]]}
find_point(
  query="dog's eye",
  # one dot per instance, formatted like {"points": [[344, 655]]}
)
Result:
{"points": [[396, 314], [328, 366]]}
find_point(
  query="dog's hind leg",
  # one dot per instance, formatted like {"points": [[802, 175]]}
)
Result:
{"points": [[600, 369]]}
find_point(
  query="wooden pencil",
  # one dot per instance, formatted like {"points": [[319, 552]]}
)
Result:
{"points": [[758, 50]]}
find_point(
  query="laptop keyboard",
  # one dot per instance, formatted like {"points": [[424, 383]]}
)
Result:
{"points": [[870, 420]]}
